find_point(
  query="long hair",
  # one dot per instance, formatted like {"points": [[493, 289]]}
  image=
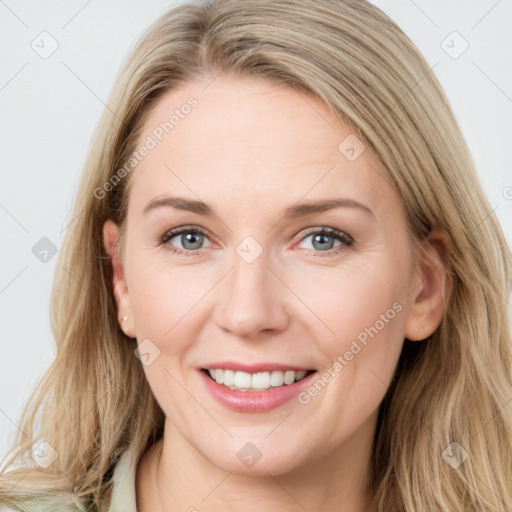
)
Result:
{"points": [[94, 401]]}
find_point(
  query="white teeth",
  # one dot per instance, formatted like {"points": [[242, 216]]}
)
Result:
{"points": [[289, 377], [276, 379], [261, 380], [244, 381], [219, 376], [300, 375], [229, 377]]}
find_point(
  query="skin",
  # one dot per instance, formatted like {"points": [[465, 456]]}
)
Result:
{"points": [[250, 149]]}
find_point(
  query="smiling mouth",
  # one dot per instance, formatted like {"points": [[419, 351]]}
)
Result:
{"points": [[261, 381]]}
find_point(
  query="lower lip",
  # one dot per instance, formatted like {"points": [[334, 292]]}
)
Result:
{"points": [[254, 401]]}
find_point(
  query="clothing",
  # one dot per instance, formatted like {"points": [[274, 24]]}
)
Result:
{"points": [[123, 484], [123, 489]]}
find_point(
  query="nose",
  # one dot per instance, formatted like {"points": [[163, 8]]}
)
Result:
{"points": [[251, 300]]}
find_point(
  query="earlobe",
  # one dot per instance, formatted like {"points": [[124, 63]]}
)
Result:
{"points": [[119, 286], [431, 289]]}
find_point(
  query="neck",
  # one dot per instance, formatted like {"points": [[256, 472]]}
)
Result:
{"points": [[172, 475]]}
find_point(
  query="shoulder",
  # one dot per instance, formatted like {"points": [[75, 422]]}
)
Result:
{"points": [[43, 505], [122, 497]]}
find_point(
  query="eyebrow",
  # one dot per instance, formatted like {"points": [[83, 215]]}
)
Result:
{"points": [[292, 212]]}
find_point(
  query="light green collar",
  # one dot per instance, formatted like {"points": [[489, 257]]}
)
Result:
{"points": [[123, 484]]}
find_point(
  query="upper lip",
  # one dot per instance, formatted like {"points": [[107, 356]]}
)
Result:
{"points": [[255, 367]]}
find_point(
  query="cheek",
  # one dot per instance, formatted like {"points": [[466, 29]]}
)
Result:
{"points": [[164, 301], [367, 317], [363, 305], [369, 309], [356, 296]]}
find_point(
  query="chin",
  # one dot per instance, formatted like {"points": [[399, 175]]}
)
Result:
{"points": [[257, 458]]}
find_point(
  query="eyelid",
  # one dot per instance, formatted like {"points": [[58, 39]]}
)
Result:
{"points": [[189, 228], [336, 233], [343, 237], [346, 241]]}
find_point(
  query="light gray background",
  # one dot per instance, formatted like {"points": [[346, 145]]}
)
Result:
{"points": [[49, 109]]}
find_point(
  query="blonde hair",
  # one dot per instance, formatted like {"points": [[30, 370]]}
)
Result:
{"points": [[94, 401]]}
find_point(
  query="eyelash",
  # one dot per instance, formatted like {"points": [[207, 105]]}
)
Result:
{"points": [[344, 238]]}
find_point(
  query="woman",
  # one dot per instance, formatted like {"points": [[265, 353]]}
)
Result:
{"points": [[211, 353]]}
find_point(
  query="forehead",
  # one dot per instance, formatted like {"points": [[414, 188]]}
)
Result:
{"points": [[256, 141]]}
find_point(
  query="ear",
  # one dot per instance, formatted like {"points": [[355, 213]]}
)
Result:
{"points": [[430, 288], [119, 286]]}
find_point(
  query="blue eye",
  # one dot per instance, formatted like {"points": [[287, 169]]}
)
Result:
{"points": [[323, 241], [192, 239]]}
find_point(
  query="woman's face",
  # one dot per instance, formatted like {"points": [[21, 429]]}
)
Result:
{"points": [[252, 284]]}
